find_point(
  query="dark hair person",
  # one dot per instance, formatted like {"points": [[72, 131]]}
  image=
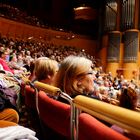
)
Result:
{"points": [[128, 98]]}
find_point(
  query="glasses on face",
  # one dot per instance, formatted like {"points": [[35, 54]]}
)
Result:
{"points": [[90, 73], [84, 74]]}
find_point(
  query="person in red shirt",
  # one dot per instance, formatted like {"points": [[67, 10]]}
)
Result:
{"points": [[3, 63]]}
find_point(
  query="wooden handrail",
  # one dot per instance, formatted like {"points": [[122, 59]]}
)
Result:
{"points": [[47, 88], [126, 119], [54, 91]]}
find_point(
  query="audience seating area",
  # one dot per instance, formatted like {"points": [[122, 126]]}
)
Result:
{"points": [[82, 118], [55, 118], [30, 97]]}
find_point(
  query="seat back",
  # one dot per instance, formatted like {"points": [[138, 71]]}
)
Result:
{"points": [[30, 97], [92, 129], [55, 114]]}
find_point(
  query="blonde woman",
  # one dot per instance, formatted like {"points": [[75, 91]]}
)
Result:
{"points": [[45, 69], [75, 76]]}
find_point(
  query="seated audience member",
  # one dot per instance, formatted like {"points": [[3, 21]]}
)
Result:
{"points": [[3, 62], [128, 98], [45, 70], [31, 70], [13, 64], [75, 76]]}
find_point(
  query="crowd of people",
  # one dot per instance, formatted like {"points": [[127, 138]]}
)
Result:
{"points": [[66, 67]]}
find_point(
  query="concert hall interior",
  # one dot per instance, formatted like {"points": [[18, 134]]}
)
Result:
{"points": [[69, 69]]}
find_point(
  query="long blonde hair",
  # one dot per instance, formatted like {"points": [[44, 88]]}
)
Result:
{"points": [[70, 69]]}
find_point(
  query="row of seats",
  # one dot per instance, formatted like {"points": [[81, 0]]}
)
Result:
{"points": [[56, 118]]}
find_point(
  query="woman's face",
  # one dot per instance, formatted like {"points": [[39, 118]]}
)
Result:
{"points": [[87, 82], [14, 59]]}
